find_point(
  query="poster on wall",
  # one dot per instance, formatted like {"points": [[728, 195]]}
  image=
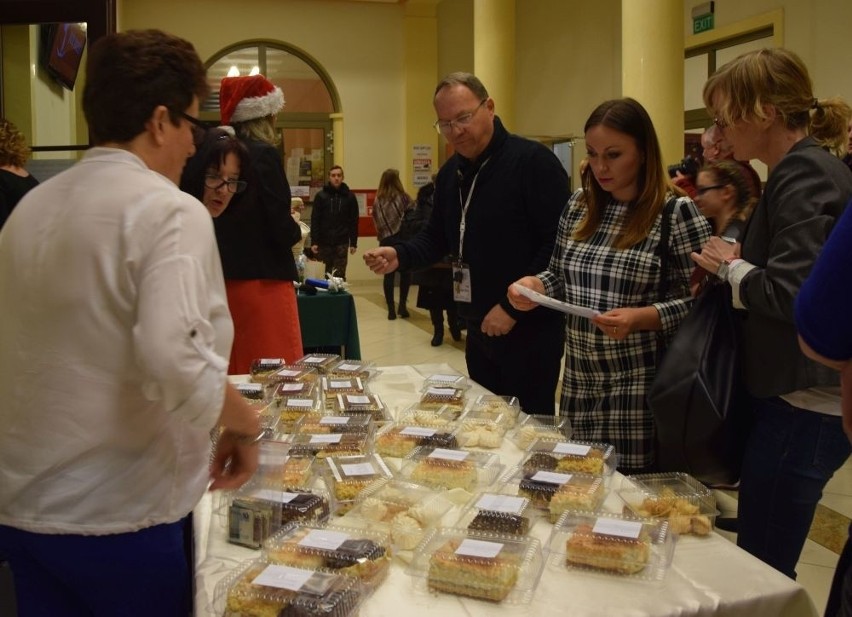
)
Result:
{"points": [[421, 164]]}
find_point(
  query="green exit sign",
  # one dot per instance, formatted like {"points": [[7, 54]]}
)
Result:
{"points": [[703, 23]]}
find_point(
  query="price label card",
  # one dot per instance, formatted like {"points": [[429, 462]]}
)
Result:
{"points": [[347, 367], [574, 449], [451, 455], [358, 469], [358, 399], [288, 372], [313, 360], [502, 503], [334, 420], [291, 387], [324, 539], [338, 384], [269, 495], [479, 548], [418, 431], [615, 527], [283, 577], [438, 391], [333, 438], [551, 477], [445, 378], [269, 361], [250, 387], [300, 402]]}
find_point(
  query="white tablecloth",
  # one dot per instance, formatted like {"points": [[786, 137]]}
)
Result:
{"points": [[709, 576]]}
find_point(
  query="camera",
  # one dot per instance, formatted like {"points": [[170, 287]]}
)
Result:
{"points": [[688, 166]]}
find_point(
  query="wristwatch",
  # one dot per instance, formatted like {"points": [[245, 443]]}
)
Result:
{"points": [[724, 268]]}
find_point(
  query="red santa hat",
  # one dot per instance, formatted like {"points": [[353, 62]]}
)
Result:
{"points": [[248, 97]]}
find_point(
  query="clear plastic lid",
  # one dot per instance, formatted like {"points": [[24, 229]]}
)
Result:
{"points": [[353, 368], [530, 428], [686, 514], [349, 475], [478, 432], [677, 482], [278, 469], [254, 512], [444, 468], [398, 440], [402, 509], [332, 386], [487, 566], [250, 390], [259, 587], [319, 424], [443, 417], [593, 458], [436, 396], [611, 544], [555, 492], [261, 368], [290, 373], [322, 445], [289, 389], [448, 379], [496, 513], [366, 403], [322, 362], [507, 408], [293, 408], [364, 553]]}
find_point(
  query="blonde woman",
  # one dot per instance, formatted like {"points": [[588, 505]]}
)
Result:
{"points": [[390, 205]]}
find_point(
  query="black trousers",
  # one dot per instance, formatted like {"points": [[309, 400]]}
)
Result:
{"points": [[524, 363]]}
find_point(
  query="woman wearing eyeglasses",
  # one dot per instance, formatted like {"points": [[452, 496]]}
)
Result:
{"points": [[764, 106], [725, 196], [218, 171]]}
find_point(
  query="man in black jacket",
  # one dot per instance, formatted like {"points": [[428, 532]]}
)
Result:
{"points": [[497, 205], [334, 224]]}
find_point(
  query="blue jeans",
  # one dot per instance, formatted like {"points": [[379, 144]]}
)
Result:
{"points": [[790, 456], [134, 574]]}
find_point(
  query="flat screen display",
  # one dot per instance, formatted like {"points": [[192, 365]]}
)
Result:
{"points": [[64, 50]]}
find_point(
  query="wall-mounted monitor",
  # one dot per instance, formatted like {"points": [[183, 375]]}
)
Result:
{"points": [[62, 47]]}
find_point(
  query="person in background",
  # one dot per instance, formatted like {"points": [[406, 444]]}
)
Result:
{"points": [[389, 207], [608, 258], [825, 336], [255, 240], [725, 195], [296, 208], [847, 158], [113, 352], [216, 174], [15, 181], [334, 224], [764, 106], [435, 283]]}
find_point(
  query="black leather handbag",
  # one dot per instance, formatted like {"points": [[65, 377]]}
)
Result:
{"points": [[697, 400]]}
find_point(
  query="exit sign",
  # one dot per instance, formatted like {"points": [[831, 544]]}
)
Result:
{"points": [[702, 23]]}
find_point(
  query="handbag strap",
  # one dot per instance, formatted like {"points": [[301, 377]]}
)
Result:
{"points": [[663, 248]]}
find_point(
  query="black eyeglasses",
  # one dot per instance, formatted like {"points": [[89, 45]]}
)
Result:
{"points": [[700, 190], [199, 129], [446, 127], [215, 183]]}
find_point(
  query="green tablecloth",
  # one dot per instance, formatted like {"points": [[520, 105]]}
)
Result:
{"points": [[329, 320]]}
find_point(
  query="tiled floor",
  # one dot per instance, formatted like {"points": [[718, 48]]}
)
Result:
{"points": [[406, 341]]}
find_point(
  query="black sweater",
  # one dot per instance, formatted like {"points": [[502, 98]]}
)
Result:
{"points": [[256, 233], [511, 222], [334, 218]]}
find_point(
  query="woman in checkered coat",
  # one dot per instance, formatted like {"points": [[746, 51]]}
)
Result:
{"points": [[608, 258]]}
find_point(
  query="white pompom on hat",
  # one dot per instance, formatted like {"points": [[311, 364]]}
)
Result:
{"points": [[248, 97]]}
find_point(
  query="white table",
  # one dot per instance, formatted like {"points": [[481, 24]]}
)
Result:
{"points": [[709, 576]]}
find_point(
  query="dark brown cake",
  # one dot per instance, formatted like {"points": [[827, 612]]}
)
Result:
{"points": [[500, 522]]}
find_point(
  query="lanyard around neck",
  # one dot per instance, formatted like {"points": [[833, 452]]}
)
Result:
{"points": [[465, 204]]}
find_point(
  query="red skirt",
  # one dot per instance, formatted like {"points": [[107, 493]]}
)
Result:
{"points": [[266, 322]]}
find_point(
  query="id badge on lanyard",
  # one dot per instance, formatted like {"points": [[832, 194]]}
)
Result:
{"points": [[461, 283]]}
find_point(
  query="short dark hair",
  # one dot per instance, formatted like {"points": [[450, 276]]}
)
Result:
{"points": [[333, 167], [468, 80], [217, 145], [129, 74]]}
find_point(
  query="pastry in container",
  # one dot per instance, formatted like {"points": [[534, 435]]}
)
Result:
{"points": [[332, 386], [496, 513], [259, 588], [398, 440], [292, 373], [438, 397], [475, 431], [504, 409], [251, 391], [287, 389], [262, 368], [365, 554], [353, 368], [320, 424], [611, 544], [486, 566], [686, 514], [443, 417], [292, 408], [349, 475], [555, 492], [404, 510], [254, 512], [366, 403], [444, 468], [277, 468], [328, 444], [447, 380], [530, 428], [322, 362], [568, 456]]}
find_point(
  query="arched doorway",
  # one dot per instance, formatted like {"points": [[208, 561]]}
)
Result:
{"points": [[311, 116]]}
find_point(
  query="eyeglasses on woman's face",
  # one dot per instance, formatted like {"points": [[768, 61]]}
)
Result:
{"points": [[198, 128], [214, 182], [701, 190], [446, 127]]}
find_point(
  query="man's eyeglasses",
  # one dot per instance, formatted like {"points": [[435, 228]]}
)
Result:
{"points": [[215, 183], [700, 190], [446, 127], [199, 129]]}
